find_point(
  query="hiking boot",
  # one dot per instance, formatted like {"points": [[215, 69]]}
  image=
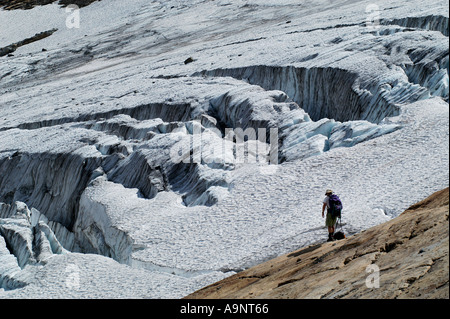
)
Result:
{"points": [[330, 237]]}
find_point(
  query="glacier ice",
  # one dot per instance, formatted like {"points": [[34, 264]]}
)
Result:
{"points": [[122, 167], [348, 134], [435, 22], [25, 240]]}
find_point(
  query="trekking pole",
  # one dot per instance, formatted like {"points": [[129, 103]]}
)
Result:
{"points": [[340, 223]]}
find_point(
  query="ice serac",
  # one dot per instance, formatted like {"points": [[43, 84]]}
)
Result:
{"points": [[351, 133], [429, 22], [187, 160], [25, 240], [96, 233], [50, 181], [165, 111], [321, 92], [306, 139], [8, 266], [430, 71], [251, 107], [19, 235]]}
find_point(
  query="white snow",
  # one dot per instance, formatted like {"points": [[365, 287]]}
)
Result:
{"points": [[98, 205]]}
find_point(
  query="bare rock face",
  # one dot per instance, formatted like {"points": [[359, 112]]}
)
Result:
{"points": [[406, 257], [180, 142], [38, 36], [29, 4]]}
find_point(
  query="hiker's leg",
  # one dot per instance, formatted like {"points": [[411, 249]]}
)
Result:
{"points": [[330, 224], [330, 233]]}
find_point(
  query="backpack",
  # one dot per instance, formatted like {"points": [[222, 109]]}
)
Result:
{"points": [[335, 206], [340, 233]]}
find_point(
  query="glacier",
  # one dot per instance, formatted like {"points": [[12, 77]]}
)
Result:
{"points": [[127, 173]]}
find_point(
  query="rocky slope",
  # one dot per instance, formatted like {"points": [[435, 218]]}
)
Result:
{"points": [[410, 251], [28, 4], [116, 133]]}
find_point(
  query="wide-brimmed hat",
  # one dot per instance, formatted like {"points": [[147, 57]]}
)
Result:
{"points": [[329, 191]]}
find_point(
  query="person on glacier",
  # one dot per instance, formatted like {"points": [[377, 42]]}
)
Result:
{"points": [[333, 205]]}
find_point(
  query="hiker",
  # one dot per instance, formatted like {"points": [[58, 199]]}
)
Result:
{"points": [[330, 220]]}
